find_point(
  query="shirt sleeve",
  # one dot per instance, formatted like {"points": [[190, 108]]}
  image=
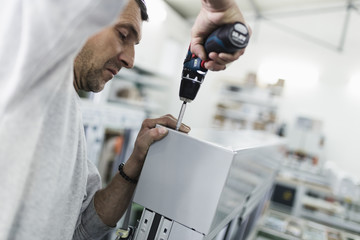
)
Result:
{"points": [[90, 226]]}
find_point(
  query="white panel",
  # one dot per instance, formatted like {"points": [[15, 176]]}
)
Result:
{"points": [[180, 232], [203, 185], [183, 178]]}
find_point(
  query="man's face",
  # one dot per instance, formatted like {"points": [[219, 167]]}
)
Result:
{"points": [[105, 53]]}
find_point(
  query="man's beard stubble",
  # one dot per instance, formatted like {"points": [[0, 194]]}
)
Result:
{"points": [[94, 80], [94, 77]]}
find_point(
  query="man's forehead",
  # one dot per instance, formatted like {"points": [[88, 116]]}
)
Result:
{"points": [[131, 18], [132, 10]]}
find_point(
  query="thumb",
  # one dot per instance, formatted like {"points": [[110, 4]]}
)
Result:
{"points": [[197, 48], [162, 132], [143, 142], [155, 134]]}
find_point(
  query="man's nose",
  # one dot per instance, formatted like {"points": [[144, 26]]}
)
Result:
{"points": [[126, 57]]}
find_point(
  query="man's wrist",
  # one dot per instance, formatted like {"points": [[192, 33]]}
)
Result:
{"points": [[126, 176]]}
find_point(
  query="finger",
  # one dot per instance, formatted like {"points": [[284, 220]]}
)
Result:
{"points": [[144, 140], [183, 127], [219, 61], [152, 135], [167, 120], [249, 29], [233, 56], [212, 66], [170, 116], [198, 49], [215, 57], [225, 58]]}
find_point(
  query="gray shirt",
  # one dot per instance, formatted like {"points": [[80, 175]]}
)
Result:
{"points": [[46, 183]]}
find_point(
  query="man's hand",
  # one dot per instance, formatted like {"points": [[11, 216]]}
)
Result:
{"points": [[147, 135], [214, 14]]}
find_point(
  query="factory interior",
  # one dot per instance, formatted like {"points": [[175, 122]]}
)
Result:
{"points": [[273, 149], [299, 79]]}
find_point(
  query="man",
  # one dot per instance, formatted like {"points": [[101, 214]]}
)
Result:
{"points": [[103, 56], [48, 188]]}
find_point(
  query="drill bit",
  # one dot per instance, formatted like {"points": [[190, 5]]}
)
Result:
{"points": [[181, 115]]}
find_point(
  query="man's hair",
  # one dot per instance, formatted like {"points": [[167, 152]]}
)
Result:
{"points": [[143, 9]]}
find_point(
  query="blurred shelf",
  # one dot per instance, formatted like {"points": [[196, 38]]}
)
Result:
{"points": [[152, 81], [248, 105], [140, 105], [332, 221], [236, 114], [111, 114], [267, 102], [310, 196], [291, 171], [271, 232], [278, 226]]}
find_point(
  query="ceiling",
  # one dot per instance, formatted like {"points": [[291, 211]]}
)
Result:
{"points": [[331, 18], [190, 8]]}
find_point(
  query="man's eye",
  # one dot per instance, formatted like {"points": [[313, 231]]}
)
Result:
{"points": [[122, 36]]}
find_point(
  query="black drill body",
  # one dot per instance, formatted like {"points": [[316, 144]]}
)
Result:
{"points": [[227, 39]]}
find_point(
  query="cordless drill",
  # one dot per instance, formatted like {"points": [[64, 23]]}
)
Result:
{"points": [[228, 38]]}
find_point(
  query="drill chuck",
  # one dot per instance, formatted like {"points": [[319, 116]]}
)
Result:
{"points": [[190, 84]]}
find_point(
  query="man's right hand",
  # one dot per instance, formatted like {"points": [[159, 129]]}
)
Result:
{"points": [[213, 14]]}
